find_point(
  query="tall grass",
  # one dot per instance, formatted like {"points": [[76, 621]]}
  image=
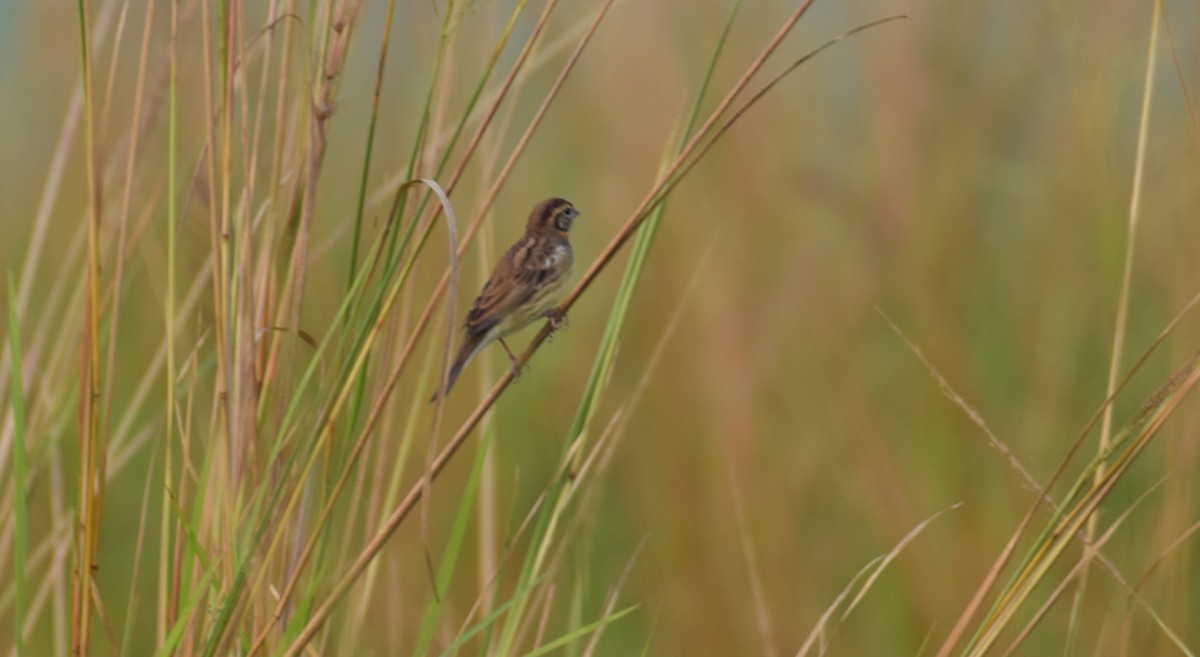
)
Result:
{"points": [[251, 254]]}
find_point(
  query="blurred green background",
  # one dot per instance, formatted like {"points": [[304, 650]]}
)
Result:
{"points": [[967, 171]]}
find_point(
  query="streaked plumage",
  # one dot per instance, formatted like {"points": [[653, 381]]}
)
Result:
{"points": [[527, 283]]}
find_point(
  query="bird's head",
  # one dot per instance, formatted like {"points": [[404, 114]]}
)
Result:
{"points": [[552, 215]]}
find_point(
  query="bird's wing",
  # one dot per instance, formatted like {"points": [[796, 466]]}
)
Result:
{"points": [[526, 268]]}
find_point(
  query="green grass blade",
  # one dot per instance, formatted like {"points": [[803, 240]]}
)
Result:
{"points": [[476, 629], [176, 634], [423, 126], [641, 248], [370, 147], [446, 569], [580, 632], [130, 612]]}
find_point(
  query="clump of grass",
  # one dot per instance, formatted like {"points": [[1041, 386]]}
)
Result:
{"points": [[273, 514], [244, 440], [1074, 518]]}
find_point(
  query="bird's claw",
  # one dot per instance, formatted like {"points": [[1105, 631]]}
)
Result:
{"points": [[518, 371], [556, 322]]}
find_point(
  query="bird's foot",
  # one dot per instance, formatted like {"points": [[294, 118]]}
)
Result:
{"points": [[556, 322], [518, 371], [512, 358]]}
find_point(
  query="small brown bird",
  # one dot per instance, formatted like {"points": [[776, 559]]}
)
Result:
{"points": [[526, 284]]}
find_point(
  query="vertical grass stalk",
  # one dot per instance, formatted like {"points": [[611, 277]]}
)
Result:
{"points": [[1121, 319]]}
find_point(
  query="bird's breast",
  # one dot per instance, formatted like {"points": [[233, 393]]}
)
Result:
{"points": [[555, 269]]}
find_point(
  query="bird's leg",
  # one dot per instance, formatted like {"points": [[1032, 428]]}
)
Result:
{"points": [[512, 357]]}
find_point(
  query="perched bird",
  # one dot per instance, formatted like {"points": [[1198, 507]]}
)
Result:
{"points": [[526, 284]]}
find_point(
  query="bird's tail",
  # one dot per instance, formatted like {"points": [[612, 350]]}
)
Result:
{"points": [[471, 345]]}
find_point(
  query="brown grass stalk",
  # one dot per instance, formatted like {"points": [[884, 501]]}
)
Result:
{"points": [[1121, 319], [91, 442]]}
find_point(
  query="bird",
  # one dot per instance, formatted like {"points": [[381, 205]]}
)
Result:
{"points": [[526, 284]]}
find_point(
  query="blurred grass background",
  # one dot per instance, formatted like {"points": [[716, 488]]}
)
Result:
{"points": [[967, 171]]}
